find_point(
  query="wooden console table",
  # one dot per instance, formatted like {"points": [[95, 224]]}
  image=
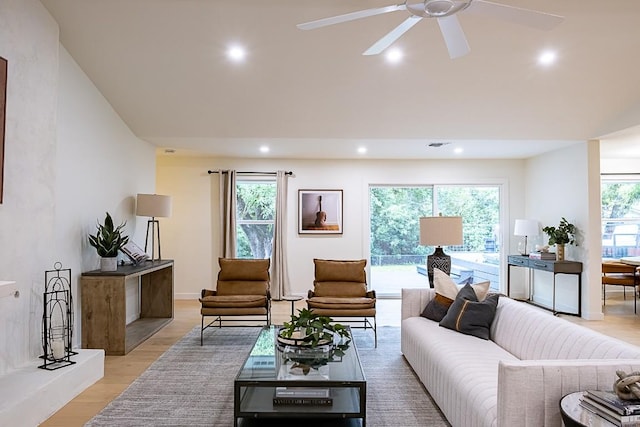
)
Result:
{"points": [[555, 267], [104, 306]]}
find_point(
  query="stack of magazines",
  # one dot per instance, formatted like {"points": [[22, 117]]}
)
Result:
{"points": [[543, 255], [302, 396], [606, 404]]}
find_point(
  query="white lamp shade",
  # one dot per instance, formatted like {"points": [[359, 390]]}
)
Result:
{"points": [[526, 227], [153, 205], [441, 230]]}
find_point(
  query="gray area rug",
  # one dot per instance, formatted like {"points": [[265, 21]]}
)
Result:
{"points": [[190, 385]]}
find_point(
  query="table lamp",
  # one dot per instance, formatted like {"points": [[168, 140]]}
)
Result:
{"points": [[440, 231], [525, 228], [154, 206]]}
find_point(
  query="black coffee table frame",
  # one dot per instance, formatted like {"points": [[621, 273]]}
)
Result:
{"points": [[255, 385]]}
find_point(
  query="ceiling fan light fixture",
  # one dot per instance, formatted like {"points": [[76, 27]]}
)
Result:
{"points": [[437, 8]]}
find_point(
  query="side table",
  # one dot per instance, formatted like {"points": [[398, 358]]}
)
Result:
{"points": [[293, 299], [554, 267], [574, 415]]}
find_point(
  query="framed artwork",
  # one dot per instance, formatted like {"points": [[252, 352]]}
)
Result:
{"points": [[3, 104], [319, 211]]}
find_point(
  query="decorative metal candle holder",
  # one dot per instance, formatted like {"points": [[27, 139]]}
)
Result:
{"points": [[57, 319]]}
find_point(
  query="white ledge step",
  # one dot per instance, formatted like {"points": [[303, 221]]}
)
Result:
{"points": [[29, 395]]}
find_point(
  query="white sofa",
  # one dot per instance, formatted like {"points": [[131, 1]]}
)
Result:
{"points": [[518, 377]]}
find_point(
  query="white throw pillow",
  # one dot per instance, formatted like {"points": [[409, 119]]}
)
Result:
{"points": [[445, 286]]}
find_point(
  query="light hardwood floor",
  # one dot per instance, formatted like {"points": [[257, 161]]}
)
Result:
{"points": [[120, 371]]}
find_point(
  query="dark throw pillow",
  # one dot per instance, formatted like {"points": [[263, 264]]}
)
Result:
{"points": [[469, 316], [437, 308]]}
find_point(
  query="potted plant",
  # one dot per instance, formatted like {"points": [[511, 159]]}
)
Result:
{"points": [[108, 241], [309, 341], [310, 330], [564, 233]]}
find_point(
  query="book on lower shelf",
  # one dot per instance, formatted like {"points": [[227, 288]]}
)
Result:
{"points": [[302, 396]]}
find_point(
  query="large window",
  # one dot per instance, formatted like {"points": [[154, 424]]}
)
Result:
{"points": [[398, 260], [255, 214], [620, 217]]}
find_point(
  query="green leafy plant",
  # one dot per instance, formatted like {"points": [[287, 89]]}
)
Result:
{"points": [[313, 328], [109, 239], [565, 233]]}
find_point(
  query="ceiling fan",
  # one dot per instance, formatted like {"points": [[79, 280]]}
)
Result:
{"points": [[444, 11]]}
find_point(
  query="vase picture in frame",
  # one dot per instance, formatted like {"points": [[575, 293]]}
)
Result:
{"points": [[319, 211]]}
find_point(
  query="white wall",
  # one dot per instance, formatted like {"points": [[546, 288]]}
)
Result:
{"points": [[557, 185], [29, 41], [620, 166], [68, 159], [189, 236], [101, 166]]}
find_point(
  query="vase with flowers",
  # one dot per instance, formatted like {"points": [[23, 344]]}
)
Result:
{"points": [[563, 234]]}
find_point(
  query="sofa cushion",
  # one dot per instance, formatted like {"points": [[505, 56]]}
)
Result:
{"points": [[459, 371], [532, 334], [340, 289], [234, 301], [341, 303], [233, 287], [437, 308], [445, 286], [243, 269], [470, 316], [340, 271]]}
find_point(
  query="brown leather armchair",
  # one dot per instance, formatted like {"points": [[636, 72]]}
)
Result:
{"points": [[340, 291], [242, 291], [621, 274]]}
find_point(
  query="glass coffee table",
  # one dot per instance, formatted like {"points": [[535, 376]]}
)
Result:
{"points": [[274, 383]]}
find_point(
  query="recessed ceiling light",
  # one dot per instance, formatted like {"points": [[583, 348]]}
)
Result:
{"points": [[547, 58], [362, 150], [394, 56], [236, 53], [458, 150], [264, 149]]}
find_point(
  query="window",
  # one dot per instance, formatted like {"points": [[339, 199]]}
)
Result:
{"points": [[397, 258], [620, 217], [255, 215]]}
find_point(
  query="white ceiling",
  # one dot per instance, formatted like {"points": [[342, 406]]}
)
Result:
{"points": [[311, 94]]}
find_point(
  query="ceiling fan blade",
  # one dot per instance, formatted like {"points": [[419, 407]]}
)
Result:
{"points": [[454, 37], [392, 36], [350, 17], [516, 15]]}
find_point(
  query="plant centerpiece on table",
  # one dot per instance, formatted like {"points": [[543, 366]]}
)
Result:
{"points": [[108, 240], [310, 340], [563, 234]]}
